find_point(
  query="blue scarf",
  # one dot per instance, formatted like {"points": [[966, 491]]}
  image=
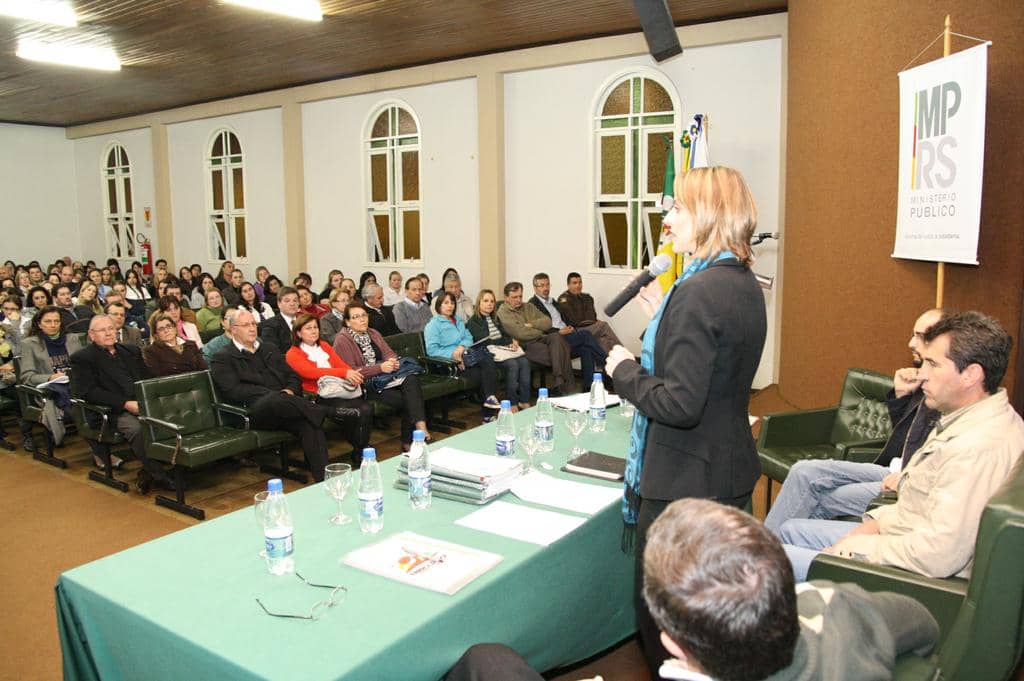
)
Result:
{"points": [[638, 434]]}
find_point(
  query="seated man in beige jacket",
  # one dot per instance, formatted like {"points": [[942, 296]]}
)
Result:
{"points": [[972, 450], [532, 329]]}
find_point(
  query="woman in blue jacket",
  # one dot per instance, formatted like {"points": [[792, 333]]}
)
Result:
{"points": [[446, 336]]}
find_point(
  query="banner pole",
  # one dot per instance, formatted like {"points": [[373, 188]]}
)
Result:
{"points": [[940, 271]]}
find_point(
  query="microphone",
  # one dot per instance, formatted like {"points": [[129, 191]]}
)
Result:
{"points": [[659, 265]]}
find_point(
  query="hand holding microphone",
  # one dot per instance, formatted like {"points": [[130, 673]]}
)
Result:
{"points": [[658, 266]]}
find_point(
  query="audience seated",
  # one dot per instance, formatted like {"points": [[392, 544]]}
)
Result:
{"points": [[255, 375], [334, 278], [170, 306], [578, 311], [464, 308], [829, 488], [215, 344], [350, 286], [67, 277], [724, 598], [278, 329], [366, 278], [169, 354], [581, 344], [381, 317], [259, 310], [38, 297], [313, 359], [127, 335], [69, 312], [45, 357], [88, 297], [198, 296], [413, 312], [334, 321], [444, 275], [485, 324], [271, 287], [308, 304], [393, 293], [446, 336], [135, 289], [174, 290], [531, 328], [208, 318], [428, 295], [105, 373], [223, 278], [262, 274], [365, 350], [232, 293], [968, 455], [14, 324]]}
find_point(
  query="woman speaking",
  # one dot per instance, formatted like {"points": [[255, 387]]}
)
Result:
{"points": [[690, 435]]}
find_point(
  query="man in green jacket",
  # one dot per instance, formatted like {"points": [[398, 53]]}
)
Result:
{"points": [[532, 329]]}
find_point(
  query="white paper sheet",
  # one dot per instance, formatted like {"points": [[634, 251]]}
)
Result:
{"points": [[580, 497], [521, 522]]}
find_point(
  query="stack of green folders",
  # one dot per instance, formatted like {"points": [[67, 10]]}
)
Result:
{"points": [[466, 476]]}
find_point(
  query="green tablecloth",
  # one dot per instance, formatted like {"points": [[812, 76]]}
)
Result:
{"points": [[182, 606]]}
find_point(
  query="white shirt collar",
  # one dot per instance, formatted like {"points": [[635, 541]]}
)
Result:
{"points": [[242, 348]]}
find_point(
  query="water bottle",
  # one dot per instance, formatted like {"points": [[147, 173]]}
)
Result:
{"points": [[505, 439], [419, 472], [597, 403], [544, 422], [371, 494], [278, 532]]}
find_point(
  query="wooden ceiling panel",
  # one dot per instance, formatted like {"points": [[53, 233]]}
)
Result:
{"points": [[180, 52]]}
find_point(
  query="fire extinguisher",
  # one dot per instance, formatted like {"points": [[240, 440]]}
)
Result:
{"points": [[146, 254]]}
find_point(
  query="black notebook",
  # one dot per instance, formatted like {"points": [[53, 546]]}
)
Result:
{"points": [[597, 465]]}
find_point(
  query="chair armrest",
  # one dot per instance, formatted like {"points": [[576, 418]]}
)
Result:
{"points": [[942, 597], [88, 406], [32, 391], [446, 365], [167, 425], [236, 410], [796, 428], [861, 445], [883, 499], [861, 454]]}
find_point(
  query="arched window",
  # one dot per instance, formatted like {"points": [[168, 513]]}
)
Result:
{"points": [[118, 206], [635, 127], [392, 144], [226, 197]]}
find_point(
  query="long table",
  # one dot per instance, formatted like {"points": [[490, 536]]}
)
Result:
{"points": [[183, 606]]}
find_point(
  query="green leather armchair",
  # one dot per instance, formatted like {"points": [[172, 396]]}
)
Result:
{"points": [[982, 620], [7, 404], [98, 429], [854, 430], [441, 382], [31, 402]]}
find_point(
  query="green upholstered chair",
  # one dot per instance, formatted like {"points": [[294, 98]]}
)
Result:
{"points": [[440, 384], [208, 335], [184, 426], [99, 430], [31, 401], [8, 405], [854, 430], [982, 620]]}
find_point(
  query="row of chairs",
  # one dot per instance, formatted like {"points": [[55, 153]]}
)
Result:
{"points": [[981, 619]]}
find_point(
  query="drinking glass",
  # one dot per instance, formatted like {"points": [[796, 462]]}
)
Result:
{"points": [[626, 408], [576, 423], [530, 443], [337, 477], [259, 506]]}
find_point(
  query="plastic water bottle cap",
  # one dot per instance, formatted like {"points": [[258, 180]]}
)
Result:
{"points": [[369, 453], [505, 404], [597, 376], [543, 392], [419, 436], [274, 485]]}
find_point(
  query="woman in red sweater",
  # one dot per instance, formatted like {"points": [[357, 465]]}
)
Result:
{"points": [[311, 359]]}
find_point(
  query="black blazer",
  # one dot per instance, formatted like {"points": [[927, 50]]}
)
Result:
{"points": [[707, 350], [108, 379], [277, 332], [244, 377], [383, 320]]}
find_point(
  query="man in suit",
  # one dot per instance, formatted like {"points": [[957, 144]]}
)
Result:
{"points": [[381, 318], [126, 335], [577, 310], [105, 373], [277, 330], [581, 344], [255, 375], [70, 313]]}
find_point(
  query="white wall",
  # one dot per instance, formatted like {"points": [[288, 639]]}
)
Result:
{"points": [[548, 148], [90, 158], [188, 146], [37, 194], [449, 189]]}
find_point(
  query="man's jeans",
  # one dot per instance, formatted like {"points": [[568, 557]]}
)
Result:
{"points": [[825, 488], [805, 539]]}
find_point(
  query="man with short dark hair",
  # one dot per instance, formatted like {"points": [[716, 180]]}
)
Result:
{"points": [[255, 375], [278, 329], [581, 344], [531, 327], [722, 593], [969, 454], [69, 312], [35, 273], [126, 335], [412, 313], [233, 291], [577, 310], [67, 276]]}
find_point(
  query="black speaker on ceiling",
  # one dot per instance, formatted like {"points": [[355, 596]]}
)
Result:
{"points": [[659, 30]]}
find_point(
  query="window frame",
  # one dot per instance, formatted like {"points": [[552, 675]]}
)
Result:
{"points": [[119, 227], [229, 213]]}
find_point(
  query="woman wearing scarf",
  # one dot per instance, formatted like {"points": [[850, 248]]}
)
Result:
{"points": [[690, 435], [170, 354]]}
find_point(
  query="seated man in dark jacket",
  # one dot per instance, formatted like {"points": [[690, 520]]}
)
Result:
{"points": [[278, 329], [581, 344], [577, 310], [105, 373], [255, 375], [381, 317]]}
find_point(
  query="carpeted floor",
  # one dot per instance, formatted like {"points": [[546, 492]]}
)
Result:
{"points": [[55, 519]]}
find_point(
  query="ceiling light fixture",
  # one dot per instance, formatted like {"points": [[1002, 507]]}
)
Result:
{"points": [[82, 56], [44, 11], [298, 9]]}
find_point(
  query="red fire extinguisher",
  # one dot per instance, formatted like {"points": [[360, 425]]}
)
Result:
{"points": [[146, 254]]}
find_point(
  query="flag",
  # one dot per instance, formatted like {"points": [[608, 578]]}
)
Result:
{"points": [[696, 154]]}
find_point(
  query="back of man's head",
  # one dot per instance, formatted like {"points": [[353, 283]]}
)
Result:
{"points": [[975, 338], [720, 586]]}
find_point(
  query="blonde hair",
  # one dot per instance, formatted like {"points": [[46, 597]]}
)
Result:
{"points": [[723, 211]]}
